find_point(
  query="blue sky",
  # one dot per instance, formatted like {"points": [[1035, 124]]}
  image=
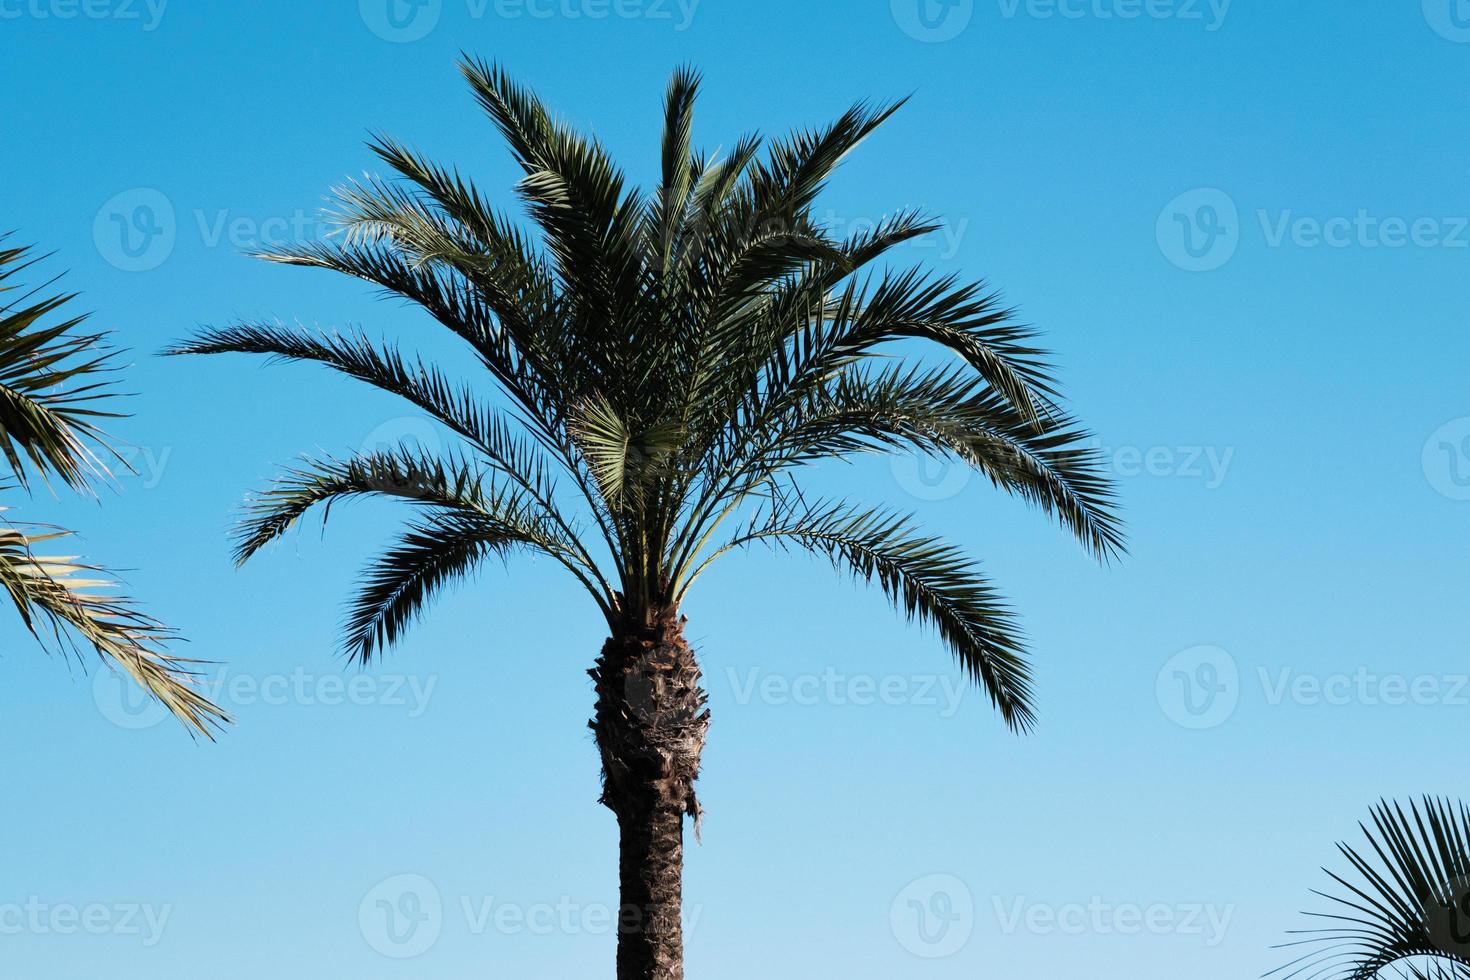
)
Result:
{"points": [[1241, 226]]}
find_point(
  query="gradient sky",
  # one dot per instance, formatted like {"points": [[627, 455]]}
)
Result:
{"points": [[1241, 226]]}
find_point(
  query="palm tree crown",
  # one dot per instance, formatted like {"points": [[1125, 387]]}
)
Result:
{"points": [[665, 364]]}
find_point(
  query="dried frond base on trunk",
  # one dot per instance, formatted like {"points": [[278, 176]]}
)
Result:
{"points": [[651, 723]]}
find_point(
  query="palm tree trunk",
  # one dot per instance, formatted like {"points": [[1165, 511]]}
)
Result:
{"points": [[650, 724]]}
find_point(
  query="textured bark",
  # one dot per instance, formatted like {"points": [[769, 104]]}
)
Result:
{"points": [[650, 724]]}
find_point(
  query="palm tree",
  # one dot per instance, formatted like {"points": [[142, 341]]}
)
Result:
{"points": [[1405, 910], [662, 365], [53, 397]]}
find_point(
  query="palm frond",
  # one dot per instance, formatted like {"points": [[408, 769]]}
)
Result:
{"points": [[431, 553], [1404, 906], [54, 386], [928, 579], [65, 601]]}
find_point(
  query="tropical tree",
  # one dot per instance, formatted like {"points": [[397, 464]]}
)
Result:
{"points": [[54, 396], [1404, 908], [659, 367]]}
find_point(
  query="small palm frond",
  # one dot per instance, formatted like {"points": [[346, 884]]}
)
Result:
{"points": [[421, 384], [930, 580], [403, 473], [63, 600], [51, 381], [621, 461], [431, 553], [1406, 907], [452, 488]]}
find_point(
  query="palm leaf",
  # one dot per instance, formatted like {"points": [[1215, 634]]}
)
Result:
{"points": [[1405, 904]]}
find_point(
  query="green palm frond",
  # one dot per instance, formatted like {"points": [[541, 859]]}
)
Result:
{"points": [[431, 553], [1404, 909], [55, 382], [928, 579], [65, 601], [667, 357], [451, 486]]}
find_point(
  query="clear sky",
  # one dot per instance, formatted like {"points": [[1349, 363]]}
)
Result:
{"points": [[1243, 229]]}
